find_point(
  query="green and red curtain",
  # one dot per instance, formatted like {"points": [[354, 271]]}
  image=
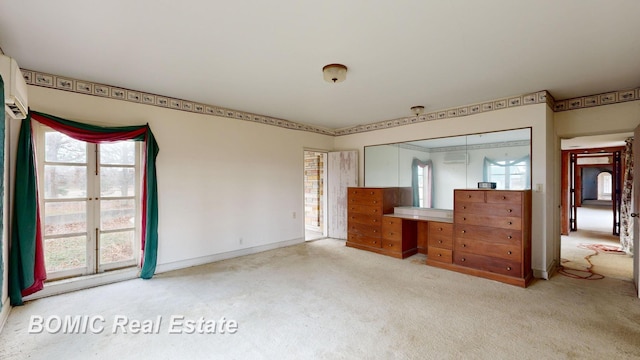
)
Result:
{"points": [[26, 259]]}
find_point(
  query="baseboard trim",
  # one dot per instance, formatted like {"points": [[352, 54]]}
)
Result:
{"points": [[546, 274], [4, 314], [83, 282], [89, 281], [183, 264]]}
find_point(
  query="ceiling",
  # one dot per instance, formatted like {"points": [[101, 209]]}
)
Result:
{"points": [[265, 57]]}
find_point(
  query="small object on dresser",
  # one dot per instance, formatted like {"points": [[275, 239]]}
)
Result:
{"points": [[486, 185]]}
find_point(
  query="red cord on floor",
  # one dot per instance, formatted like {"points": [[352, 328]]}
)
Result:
{"points": [[588, 274]]}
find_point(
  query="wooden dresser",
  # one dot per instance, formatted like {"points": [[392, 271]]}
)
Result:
{"points": [[365, 225], [492, 235]]}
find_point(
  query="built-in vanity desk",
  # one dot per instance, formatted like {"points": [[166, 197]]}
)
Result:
{"points": [[433, 228], [488, 234], [381, 220]]}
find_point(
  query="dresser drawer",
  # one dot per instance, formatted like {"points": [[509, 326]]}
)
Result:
{"points": [[439, 254], [365, 196], [504, 222], [391, 228], [511, 252], [366, 219], [364, 209], [364, 240], [510, 197], [495, 209], [468, 196], [440, 235], [366, 230], [482, 233], [486, 263], [395, 246]]}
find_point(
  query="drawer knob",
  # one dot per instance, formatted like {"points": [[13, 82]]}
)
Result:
{"points": [[464, 245], [469, 196], [463, 259], [464, 231], [510, 223], [504, 198], [464, 207], [390, 233], [372, 193], [390, 245], [509, 252], [439, 241], [375, 220], [509, 237], [508, 268], [440, 229], [510, 210], [464, 218], [374, 242], [375, 230], [439, 254]]}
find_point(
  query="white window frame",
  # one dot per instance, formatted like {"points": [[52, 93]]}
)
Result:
{"points": [[93, 200]]}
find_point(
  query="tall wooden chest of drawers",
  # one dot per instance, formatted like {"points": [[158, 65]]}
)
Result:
{"points": [[365, 210], [492, 234]]}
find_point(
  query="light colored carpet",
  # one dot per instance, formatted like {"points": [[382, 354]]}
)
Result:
{"points": [[322, 300], [583, 252]]}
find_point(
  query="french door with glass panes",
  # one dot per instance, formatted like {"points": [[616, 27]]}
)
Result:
{"points": [[90, 204]]}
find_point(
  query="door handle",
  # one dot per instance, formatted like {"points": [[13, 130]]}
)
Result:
{"points": [[635, 214]]}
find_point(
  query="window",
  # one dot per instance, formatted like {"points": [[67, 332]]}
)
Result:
{"points": [[421, 182], [604, 186], [508, 174], [91, 204], [424, 186]]}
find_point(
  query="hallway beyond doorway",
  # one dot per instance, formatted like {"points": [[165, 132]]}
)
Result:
{"points": [[591, 249]]}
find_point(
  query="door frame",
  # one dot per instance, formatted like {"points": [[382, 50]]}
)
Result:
{"points": [[321, 199], [571, 179]]}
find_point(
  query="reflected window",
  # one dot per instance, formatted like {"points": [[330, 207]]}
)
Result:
{"points": [[422, 183], [507, 174]]}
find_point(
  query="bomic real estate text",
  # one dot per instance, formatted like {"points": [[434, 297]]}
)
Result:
{"points": [[121, 324]]}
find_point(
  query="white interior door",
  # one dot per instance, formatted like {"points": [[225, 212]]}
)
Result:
{"points": [[636, 209], [342, 172]]}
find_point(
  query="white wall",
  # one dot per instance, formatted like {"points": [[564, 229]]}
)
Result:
{"points": [[379, 160], [535, 116], [219, 179], [446, 177], [608, 119]]}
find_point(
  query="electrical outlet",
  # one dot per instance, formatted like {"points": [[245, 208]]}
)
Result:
{"points": [[539, 187], [294, 214]]}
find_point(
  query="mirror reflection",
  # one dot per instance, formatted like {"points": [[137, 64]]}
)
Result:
{"points": [[432, 168]]}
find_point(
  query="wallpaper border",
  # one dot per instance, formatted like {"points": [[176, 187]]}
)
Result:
{"points": [[37, 78]]}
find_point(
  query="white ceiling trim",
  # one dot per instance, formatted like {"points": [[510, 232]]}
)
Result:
{"points": [[42, 79]]}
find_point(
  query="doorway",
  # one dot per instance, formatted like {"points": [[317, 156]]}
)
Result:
{"points": [[315, 209], [592, 179]]}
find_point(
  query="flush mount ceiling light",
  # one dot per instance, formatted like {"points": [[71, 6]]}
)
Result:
{"points": [[334, 73], [417, 110]]}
